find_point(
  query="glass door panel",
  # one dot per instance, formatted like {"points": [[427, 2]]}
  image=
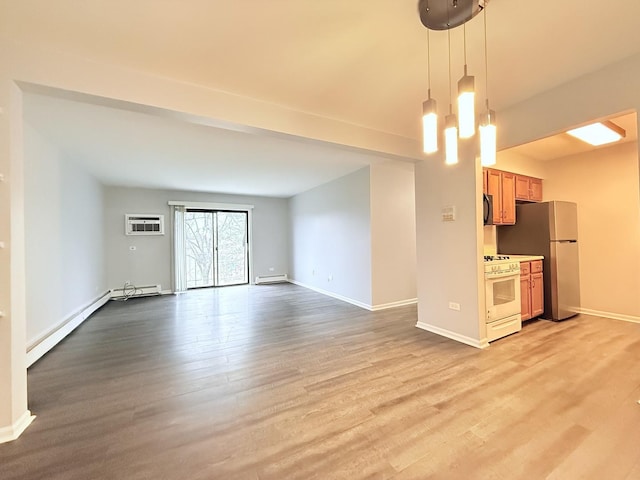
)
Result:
{"points": [[231, 248], [199, 248], [216, 248]]}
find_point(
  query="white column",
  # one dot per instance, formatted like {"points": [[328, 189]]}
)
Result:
{"points": [[14, 415], [449, 253]]}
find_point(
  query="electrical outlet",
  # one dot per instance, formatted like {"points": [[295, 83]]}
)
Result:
{"points": [[454, 306], [271, 269], [330, 278]]}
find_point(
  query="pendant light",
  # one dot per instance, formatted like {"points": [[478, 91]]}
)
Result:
{"points": [[450, 127], [429, 113], [488, 133], [466, 98]]}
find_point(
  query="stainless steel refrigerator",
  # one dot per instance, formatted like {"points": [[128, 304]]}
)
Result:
{"points": [[549, 229]]}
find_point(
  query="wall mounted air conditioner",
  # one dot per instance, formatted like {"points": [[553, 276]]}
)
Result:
{"points": [[143, 224]]}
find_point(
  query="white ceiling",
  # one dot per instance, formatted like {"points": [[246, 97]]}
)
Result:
{"points": [[128, 148], [362, 62]]}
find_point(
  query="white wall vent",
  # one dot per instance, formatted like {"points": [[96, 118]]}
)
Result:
{"points": [[143, 224]]}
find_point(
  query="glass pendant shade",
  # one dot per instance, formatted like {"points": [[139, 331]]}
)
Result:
{"points": [[429, 126], [451, 140], [488, 145], [466, 105]]}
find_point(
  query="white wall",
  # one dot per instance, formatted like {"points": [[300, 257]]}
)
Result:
{"points": [[512, 161], [604, 184], [64, 237], [330, 229], [450, 253], [393, 233], [150, 263]]}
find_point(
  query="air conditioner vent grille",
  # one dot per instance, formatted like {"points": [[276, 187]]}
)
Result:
{"points": [[135, 224]]}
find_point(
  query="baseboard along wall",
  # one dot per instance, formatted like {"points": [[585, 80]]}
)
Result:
{"points": [[40, 346], [357, 303]]}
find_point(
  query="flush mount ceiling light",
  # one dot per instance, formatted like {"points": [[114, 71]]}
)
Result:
{"points": [[599, 133]]}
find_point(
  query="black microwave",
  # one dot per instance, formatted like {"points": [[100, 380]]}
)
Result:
{"points": [[487, 210]]}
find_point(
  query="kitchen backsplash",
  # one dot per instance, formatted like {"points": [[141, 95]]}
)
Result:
{"points": [[490, 240]]}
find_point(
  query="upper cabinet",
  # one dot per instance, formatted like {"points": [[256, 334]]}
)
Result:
{"points": [[528, 189], [502, 186], [506, 188]]}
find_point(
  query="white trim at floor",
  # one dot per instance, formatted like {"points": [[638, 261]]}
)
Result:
{"points": [[453, 335], [38, 347], [614, 316], [357, 303], [401, 303], [331, 294], [10, 433]]}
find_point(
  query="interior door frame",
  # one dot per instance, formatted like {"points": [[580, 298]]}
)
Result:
{"points": [[229, 207]]}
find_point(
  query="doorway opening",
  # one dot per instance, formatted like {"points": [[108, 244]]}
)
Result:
{"points": [[216, 248]]}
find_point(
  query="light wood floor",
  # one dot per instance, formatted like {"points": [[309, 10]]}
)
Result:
{"points": [[278, 382]]}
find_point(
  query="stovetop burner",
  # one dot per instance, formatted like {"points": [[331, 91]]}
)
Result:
{"points": [[493, 258]]}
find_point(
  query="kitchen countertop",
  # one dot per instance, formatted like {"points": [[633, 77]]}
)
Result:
{"points": [[524, 258]]}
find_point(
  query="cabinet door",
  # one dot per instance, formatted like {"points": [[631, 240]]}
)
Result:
{"points": [[522, 187], [494, 188], [508, 198], [484, 180], [525, 297], [535, 189], [537, 294]]}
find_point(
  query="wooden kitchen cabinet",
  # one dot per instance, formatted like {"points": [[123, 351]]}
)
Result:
{"points": [[536, 189], [528, 188], [502, 186], [508, 198], [484, 180], [537, 289], [531, 289]]}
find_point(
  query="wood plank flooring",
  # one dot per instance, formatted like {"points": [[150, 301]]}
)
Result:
{"points": [[278, 382]]}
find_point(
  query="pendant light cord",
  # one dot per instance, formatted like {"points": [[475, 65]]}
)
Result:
{"points": [[449, 46], [486, 61], [464, 37], [428, 64]]}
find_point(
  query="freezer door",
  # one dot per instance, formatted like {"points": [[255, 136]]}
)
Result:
{"points": [[565, 280], [563, 224]]}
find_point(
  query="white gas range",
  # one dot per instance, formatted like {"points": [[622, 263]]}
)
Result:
{"points": [[502, 295]]}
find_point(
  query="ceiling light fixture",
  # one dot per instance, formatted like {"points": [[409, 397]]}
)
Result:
{"points": [[466, 97], [599, 133], [450, 127], [446, 15], [488, 140], [429, 112]]}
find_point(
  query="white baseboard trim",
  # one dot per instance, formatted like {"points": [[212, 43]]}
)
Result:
{"points": [[38, 347], [614, 316], [10, 433], [453, 335], [333, 295], [401, 303]]}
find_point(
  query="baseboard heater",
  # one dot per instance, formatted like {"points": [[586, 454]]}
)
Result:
{"points": [[131, 291], [271, 279]]}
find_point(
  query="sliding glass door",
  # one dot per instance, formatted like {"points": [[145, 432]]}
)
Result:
{"points": [[216, 248]]}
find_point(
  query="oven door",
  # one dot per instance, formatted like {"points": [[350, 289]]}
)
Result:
{"points": [[502, 296]]}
